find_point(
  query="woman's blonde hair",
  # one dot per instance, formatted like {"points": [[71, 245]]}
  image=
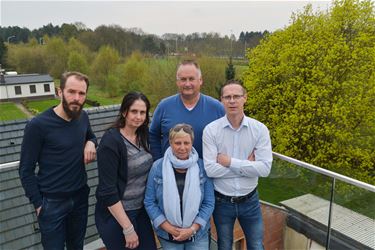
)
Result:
{"points": [[181, 129]]}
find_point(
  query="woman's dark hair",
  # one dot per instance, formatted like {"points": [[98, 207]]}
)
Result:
{"points": [[142, 131]]}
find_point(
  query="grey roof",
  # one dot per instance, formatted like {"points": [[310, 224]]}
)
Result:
{"points": [[348, 227], [18, 226], [26, 79], [11, 132]]}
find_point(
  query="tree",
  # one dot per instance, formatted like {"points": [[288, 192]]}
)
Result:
{"points": [[104, 63], [3, 52], [77, 62], [56, 56], [313, 85], [213, 74], [230, 71], [68, 31], [133, 73]]}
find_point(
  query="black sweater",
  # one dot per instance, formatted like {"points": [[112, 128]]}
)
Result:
{"points": [[57, 146], [113, 170]]}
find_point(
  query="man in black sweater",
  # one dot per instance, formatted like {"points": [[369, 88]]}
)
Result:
{"points": [[61, 142]]}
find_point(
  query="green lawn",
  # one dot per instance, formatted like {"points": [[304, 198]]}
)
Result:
{"points": [[9, 111], [95, 94], [36, 106]]}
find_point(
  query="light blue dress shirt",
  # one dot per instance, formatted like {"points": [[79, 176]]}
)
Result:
{"points": [[241, 177]]}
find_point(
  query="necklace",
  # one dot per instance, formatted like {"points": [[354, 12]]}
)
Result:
{"points": [[131, 138]]}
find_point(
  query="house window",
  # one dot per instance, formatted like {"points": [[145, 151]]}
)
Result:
{"points": [[46, 88], [17, 90], [32, 89]]}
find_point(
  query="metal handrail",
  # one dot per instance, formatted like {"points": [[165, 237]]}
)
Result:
{"points": [[9, 164], [314, 168], [326, 172]]}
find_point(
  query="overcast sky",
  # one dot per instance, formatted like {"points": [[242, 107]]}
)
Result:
{"points": [[158, 17]]}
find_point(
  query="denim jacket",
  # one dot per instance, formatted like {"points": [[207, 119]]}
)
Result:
{"points": [[154, 200]]}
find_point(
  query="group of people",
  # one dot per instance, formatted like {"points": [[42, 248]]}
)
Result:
{"points": [[198, 158]]}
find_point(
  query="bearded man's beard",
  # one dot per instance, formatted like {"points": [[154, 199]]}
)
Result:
{"points": [[72, 113]]}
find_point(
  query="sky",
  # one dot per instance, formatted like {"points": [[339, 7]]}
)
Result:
{"points": [[158, 17]]}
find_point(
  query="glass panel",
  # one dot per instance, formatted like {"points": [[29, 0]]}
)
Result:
{"points": [[305, 195], [353, 217]]}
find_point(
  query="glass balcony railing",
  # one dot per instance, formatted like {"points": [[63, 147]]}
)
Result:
{"points": [[303, 206], [322, 209]]}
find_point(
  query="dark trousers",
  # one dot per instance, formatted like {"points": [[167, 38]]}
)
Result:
{"points": [[111, 232], [64, 220]]}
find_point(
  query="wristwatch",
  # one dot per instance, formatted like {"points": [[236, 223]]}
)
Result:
{"points": [[192, 229]]}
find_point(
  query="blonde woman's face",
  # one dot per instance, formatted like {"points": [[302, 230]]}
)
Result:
{"points": [[181, 146]]}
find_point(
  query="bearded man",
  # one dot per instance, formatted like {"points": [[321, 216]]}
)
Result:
{"points": [[60, 141]]}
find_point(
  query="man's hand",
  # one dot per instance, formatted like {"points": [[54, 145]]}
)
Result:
{"points": [[38, 210], [223, 160], [251, 156], [89, 152]]}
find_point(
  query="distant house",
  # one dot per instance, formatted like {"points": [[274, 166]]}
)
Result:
{"points": [[26, 86]]}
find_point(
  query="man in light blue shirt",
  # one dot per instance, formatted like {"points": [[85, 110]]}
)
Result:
{"points": [[236, 151]]}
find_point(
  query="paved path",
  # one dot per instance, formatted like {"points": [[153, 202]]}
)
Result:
{"points": [[24, 109]]}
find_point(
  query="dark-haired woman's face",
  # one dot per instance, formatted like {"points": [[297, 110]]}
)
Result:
{"points": [[136, 115]]}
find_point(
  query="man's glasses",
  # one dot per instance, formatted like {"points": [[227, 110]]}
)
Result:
{"points": [[186, 79], [228, 98]]}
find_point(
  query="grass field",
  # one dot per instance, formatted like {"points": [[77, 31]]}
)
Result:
{"points": [[95, 94], [36, 106], [9, 111]]}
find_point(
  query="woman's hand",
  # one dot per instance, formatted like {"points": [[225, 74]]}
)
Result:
{"points": [[169, 228], [131, 240], [184, 234]]}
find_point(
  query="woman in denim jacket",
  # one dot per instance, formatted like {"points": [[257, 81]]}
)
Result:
{"points": [[179, 196]]}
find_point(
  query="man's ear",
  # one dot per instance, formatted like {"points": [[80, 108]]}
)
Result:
{"points": [[59, 92]]}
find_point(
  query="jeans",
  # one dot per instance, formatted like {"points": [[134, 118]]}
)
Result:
{"points": [[201, 244], [111, 232], [249, 216], [64, 220]]}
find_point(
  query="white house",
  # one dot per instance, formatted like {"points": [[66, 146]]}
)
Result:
{"points": [[26, 86]]}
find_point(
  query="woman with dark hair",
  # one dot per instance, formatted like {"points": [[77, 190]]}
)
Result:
{"points": [[124, 161]]}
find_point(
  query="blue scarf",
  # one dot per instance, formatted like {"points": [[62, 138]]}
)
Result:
{"points": [[192, 193]]}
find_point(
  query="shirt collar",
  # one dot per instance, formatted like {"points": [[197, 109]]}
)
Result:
{"points": [[226, 123]]}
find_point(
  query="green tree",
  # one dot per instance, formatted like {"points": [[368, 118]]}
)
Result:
{"points": [[27, 58], [230, 71], [213, 75], [56, 56], [3, 52], [77, 62], [113, 86], [313, 85], [133, 73], [104, 63]]}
